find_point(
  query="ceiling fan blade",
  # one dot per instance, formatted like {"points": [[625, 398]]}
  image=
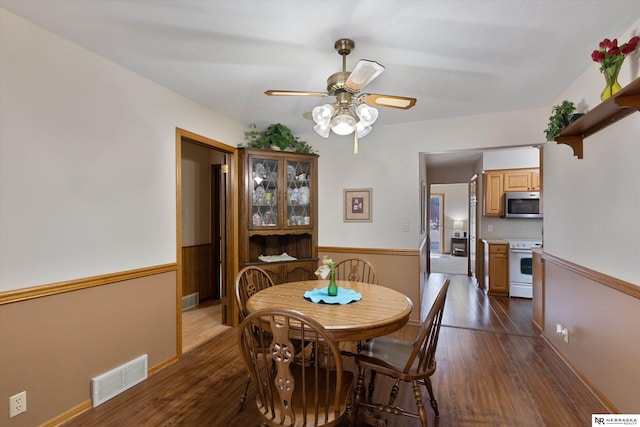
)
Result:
{"points": [[388, 101], [294, 93], [364, 72]]}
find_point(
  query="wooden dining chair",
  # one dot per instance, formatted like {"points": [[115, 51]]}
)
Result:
{"points": [[249, 281], [403, 361], [315, 392], [356, 270]]}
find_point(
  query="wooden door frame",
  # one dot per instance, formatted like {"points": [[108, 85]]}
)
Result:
{"points": [[217, 256], [231, 227]]}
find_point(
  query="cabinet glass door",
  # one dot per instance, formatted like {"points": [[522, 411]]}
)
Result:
{"points": [[298, 197], [264, 192]]}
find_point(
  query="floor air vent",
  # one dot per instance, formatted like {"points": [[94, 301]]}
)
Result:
{"points": [[190, 301], [114, 382]]}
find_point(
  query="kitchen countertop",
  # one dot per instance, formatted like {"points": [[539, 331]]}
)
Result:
{"points": [[495, 241]]}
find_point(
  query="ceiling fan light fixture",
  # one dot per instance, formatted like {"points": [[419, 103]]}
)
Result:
{"points": [[364, 72], [362, 130], [343, 123], [368, 115], [322, 130], [322, 114]]}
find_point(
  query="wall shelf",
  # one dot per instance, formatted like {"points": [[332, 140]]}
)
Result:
{"points": [[619, 106]]}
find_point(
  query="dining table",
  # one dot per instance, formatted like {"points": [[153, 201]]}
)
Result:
{"points": [[379, 311]]}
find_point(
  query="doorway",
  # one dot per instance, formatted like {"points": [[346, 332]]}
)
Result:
{"points": [[204, 241]]}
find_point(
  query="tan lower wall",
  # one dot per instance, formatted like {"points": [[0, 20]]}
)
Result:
{"points": [[52, 346], [604, 339], [397, 269]]}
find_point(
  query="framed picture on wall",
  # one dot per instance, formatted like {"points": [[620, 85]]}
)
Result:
{"points": [[357, 205]]}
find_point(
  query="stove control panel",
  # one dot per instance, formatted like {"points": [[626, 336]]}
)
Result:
{"points": [[524, 244]]}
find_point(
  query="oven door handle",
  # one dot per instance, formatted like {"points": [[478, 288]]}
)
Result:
{"points": [[521, 251]]}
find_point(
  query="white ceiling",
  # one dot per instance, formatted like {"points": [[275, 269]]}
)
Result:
{"points": [[456, 57]]}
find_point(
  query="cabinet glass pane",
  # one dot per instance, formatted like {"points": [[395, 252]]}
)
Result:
{"points": [[264, 192], [298, 193]]}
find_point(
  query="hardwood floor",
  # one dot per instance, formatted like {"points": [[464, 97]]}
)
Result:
{"points": [[493, 370], [201, 324]]}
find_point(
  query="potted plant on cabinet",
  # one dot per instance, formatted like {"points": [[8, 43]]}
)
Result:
{"points": [[277, 137]]}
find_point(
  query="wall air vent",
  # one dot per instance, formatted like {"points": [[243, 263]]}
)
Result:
{"points": [[190, 301], [114, 382]]}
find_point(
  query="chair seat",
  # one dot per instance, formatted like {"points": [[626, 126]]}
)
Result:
{"points": [[348, 382], [390, 355], [411, 362]]}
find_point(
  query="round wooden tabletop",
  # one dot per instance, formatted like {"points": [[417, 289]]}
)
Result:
{"points": [[380, 311]]}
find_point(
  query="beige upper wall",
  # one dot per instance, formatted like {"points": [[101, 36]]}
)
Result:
{"points": [[389, 162], [87, 171], [591, 205]]}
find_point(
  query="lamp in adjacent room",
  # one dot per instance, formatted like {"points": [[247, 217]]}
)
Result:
{"points": [[457, 227]]}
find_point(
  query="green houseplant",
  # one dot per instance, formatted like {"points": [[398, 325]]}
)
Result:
{"points": [[561, 116], [278, 137]]}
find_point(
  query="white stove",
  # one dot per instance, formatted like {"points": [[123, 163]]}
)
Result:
{"points": [[521, 267]]}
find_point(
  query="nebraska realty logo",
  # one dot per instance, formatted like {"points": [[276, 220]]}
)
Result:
{"points": [[615, 420]]}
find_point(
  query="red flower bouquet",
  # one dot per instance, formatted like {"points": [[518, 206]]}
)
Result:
{"points": [[611, 56]]}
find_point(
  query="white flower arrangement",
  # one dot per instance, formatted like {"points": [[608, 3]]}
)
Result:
{"points": [[327, 266]]}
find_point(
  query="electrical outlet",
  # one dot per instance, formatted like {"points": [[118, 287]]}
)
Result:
{"points": [[490, 228], [405, 226], [17, 404]]}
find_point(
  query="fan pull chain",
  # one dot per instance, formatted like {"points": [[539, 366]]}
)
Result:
{"points": [[355, 143]]}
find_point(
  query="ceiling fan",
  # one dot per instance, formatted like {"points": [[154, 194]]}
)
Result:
{"points": [[352, 111]]}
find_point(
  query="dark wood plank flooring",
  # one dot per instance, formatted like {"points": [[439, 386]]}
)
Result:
{"points": [[493, 370]]}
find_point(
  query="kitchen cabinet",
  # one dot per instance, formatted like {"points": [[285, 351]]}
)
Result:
{"points": [[521, 180], [497, 182], [278, 212], [493, 191], [496, 268]]}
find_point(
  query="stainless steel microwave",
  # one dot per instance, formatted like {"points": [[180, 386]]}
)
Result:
{"points": [[522, 204]]}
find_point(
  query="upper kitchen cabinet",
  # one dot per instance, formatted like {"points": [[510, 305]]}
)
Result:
{"points": [[498, 182], [278, 212], [521, 180], [492, 194]]}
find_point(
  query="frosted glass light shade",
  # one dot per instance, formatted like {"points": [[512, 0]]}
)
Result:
{"points": [[362, 130], [368, 115], [323, 131], [322, 114], [343, 124]]}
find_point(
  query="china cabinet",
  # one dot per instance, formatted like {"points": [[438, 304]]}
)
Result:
{"points": [[278, 213]]}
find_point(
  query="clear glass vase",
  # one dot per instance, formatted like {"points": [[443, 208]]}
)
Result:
{"points": [[332, 290], [611, 76]]}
